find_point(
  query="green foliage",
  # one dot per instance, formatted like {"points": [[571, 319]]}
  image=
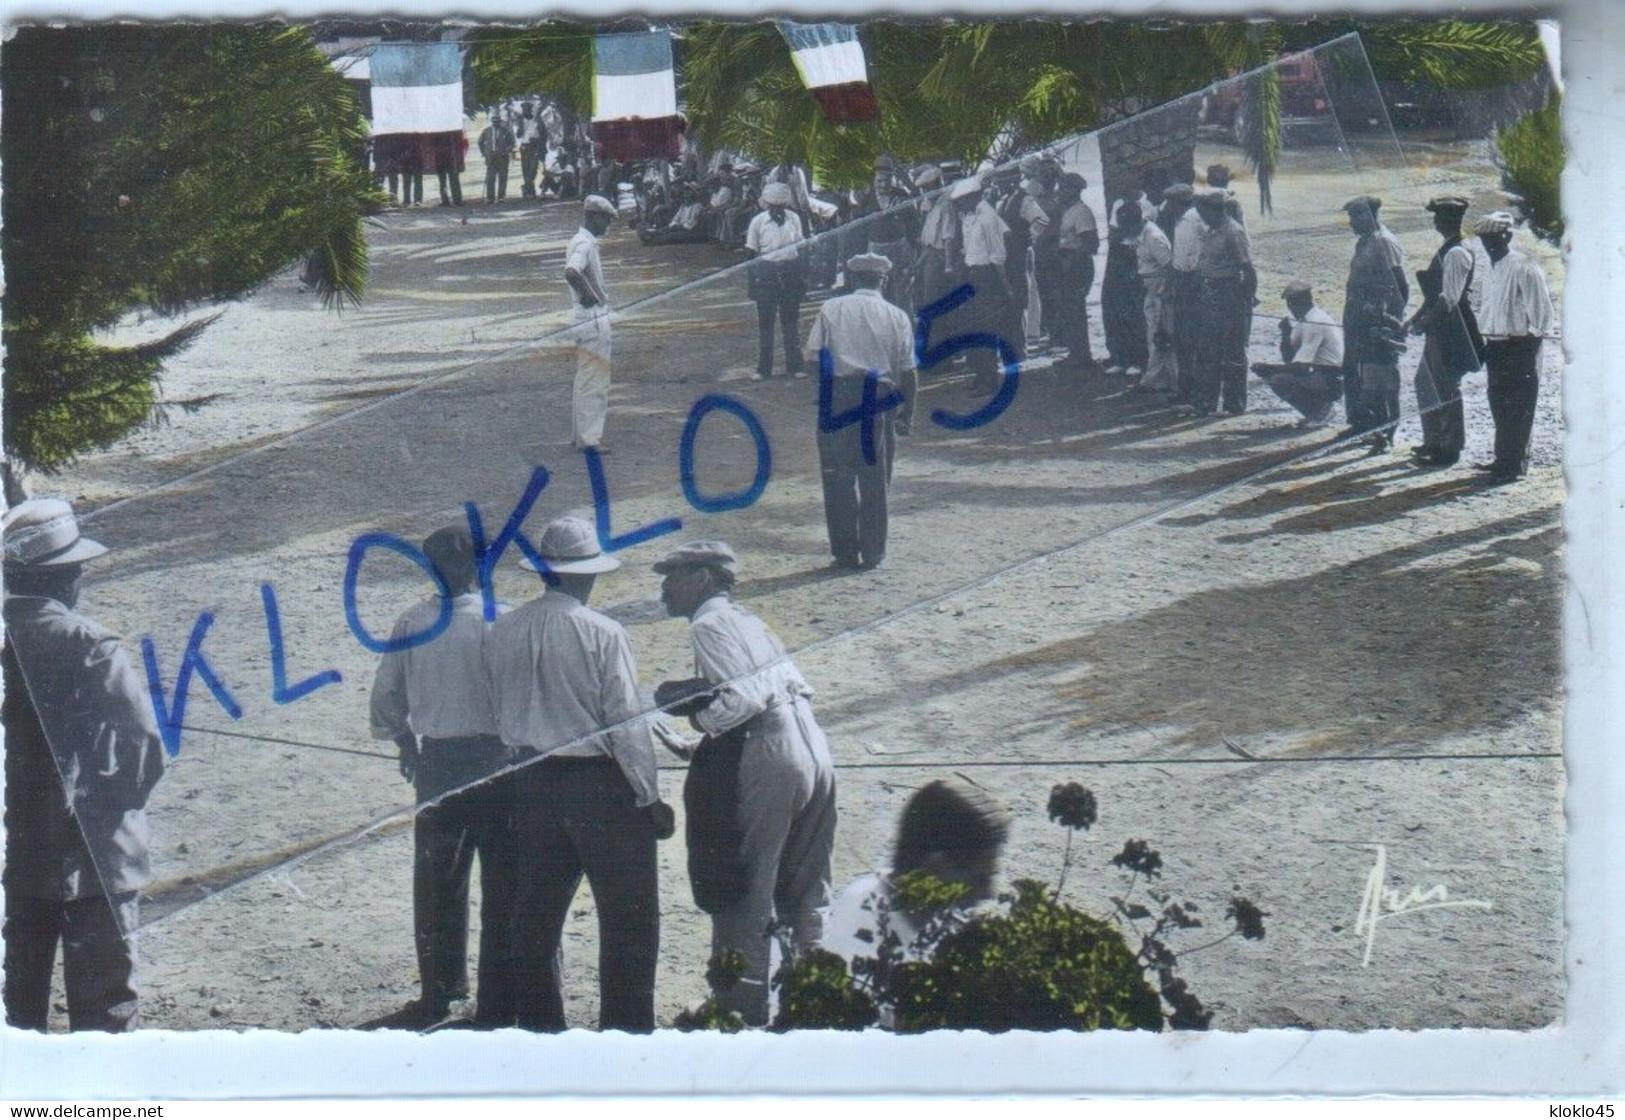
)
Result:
{"points": [[159, 166], [1531, 156], [553, 57], [815, 993], [921, 890], [1042, 966]]}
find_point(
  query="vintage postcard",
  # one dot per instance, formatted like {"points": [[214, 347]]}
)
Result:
{"points": [[569, 539]]}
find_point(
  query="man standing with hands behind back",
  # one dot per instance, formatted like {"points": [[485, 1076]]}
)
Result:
{"points": [[589, 311]]}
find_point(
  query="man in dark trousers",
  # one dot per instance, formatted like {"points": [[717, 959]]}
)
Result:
{"points": [[1225, 283], [1516, 314], [1372, 330], [531, 137], [1453, 347], [857, 336], [777, 278], [434, 701], [587, 802], [83, 753]]}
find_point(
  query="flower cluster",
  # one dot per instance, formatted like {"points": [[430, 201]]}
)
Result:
{"points": [[1139, 856], [1072, 806], [1248, 917]]}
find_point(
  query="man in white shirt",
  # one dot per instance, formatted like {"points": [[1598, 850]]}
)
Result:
{"points": [[531, 138], [1185, 229], [433, 700], [1454, 347], [1515, 313], [587, 803], [589, 311], [976, 256], [863, 333], [778, 278], [1312, 348], [785, 816], [1155, 258]]}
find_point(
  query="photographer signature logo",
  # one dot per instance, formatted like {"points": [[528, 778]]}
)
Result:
{"points": [[1381, 903]]}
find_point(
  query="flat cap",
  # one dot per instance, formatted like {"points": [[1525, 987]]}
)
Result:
{"points": [[869, 262], [597, 204], [1214, 197], [1179, 192], [1498, 221], [1447, 204], [928, 176], [1297, 288], [776, 194], [1363, 202], [966, 187], [697, 554]]}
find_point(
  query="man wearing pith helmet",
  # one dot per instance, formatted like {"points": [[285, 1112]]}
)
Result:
{"points": [[785, 807], [586, 801], [83, 753]]}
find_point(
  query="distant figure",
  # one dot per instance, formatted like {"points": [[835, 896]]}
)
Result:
{"points": [[1079, 241], [531, 137], [977, 258], [777, 279], [863, 332], [1122, 294], [1373, 335], [1154, 259], [1515, 313], [1186, 231], [1225, 283], [83, 752], [448, 167], [1454, 347], [1312, 350], [496, 148]]}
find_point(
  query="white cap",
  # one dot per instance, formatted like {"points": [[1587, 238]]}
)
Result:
{"points": [[598, 204]]}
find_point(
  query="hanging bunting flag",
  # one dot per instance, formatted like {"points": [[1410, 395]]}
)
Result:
{"points": [[417, 103], [832, 66], [634, 97]]}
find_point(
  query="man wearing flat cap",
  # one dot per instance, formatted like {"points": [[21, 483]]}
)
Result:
{"points": [[1516, 314], [785, 813], [434, 702], [1373, 333], [864, 337], [565, 688], [777, 279], [1453, 346], [1225, 282], [1185, 228], [83, 753], [1078, 240], [589, 311]]}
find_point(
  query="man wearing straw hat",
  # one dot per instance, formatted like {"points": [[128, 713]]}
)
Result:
{"points": [[565, 687], [777, 279], [862, 333], [784, 822], [589, 312], [83, 753]]}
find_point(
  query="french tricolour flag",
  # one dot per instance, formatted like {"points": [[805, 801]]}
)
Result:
{"points": [[634, 97], [832, 66], [416, 87]]}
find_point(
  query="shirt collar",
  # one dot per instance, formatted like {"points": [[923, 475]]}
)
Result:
{"points": [[715, 603]]}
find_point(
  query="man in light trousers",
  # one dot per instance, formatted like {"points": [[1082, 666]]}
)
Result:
{"points": [[589, 311], [786, 808]]}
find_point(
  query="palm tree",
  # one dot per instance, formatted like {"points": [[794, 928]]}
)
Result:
{"points": [[159, 166]]}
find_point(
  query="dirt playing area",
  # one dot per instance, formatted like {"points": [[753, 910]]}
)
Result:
{"points": [[1273, 657]]}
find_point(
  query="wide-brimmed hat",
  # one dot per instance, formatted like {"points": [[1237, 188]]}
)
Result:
{"points": [[569, 547], [697, 554], [776, 194], [597, 204], [44, 533]]}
